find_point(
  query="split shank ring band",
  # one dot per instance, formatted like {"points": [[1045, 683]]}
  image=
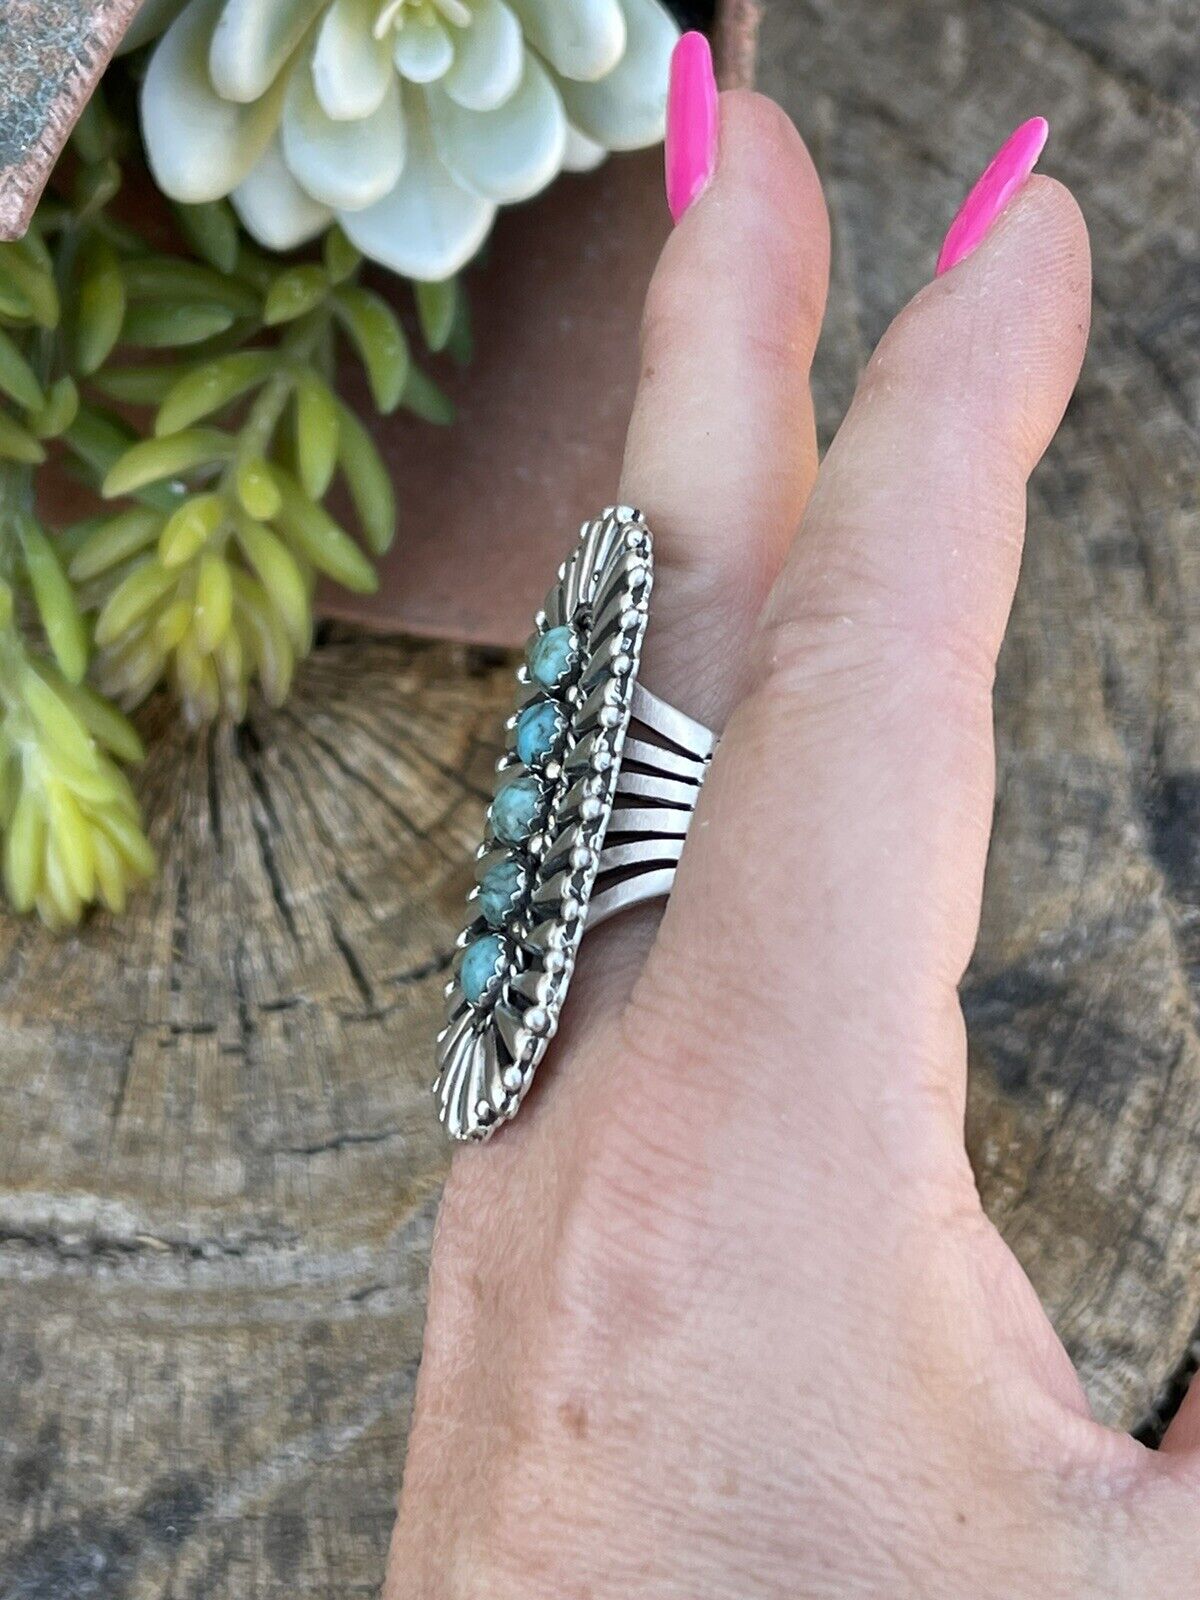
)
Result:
{"points": [[594, 797]]}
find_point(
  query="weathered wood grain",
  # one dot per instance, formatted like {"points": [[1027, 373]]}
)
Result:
{"points": [[217, 1164]]}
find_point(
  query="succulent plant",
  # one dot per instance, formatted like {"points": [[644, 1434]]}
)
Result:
{"points": [[200, 571], [70, 822], [192, 386], [408, 121]]}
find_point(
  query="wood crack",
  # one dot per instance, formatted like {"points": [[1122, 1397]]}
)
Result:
{"points": [[339, 1141]]}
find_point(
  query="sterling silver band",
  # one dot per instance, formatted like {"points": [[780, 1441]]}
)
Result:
{"points": [[655, 799], [594, 797]]}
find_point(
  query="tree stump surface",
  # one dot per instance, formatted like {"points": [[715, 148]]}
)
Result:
{"points": [[218, 1161]]}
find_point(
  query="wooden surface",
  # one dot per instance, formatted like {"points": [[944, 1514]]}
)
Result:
{"points": [[218, 1167]]}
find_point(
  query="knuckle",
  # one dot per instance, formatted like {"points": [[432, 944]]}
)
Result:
{"points": [[678, 304], [866, 659]]}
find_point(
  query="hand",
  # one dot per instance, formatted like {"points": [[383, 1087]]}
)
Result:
{"points": [[720, 1314]]}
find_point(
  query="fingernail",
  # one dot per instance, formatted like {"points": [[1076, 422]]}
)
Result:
{"points": [[691, 150], [1001, 178]]}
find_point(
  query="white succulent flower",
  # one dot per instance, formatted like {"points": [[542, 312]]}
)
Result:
{"points": [[409, 121]]}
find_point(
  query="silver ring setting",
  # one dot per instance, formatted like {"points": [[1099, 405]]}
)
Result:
{"points": [[593, 800]]}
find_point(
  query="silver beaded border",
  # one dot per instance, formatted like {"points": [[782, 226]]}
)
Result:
{"points": [[488, 1053]]}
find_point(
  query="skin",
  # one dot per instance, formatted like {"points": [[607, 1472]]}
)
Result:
{"points": [[719, 1316]]}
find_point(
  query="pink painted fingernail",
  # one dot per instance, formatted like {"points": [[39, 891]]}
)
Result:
{"points": [[1001, 178], [691, 152]]}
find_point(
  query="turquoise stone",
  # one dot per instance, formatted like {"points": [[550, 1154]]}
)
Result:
{"points": [[499, 889], [516, 808], [539, 728], [550, 657], [481, 960]]}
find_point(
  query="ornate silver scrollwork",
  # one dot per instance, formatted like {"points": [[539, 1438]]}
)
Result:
{"points": [[594, 797]]}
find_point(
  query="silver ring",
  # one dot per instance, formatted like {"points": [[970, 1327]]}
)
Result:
{"points": [[594, 797]]}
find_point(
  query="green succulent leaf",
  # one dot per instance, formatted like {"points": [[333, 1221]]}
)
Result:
{"points": [[135, 386], [204, 577], [295, 293], [13, 304], [100, 314], [368, 480], [23, 851], [17, 378], [139, 590], [342, 259], [212, 231], [55, 600], [114, 540], [58, 411], [281, 577], [175, 324], [95, 185], [211, 386], [317, 427], [96, 135], [189, 529], [152, 460], [26, 271], [103, 721], [375, 331], [316, 536], [174, 279], [423, 397], [18, 444], [437, 311], [461, 343], [98, 438], [257, 489]]}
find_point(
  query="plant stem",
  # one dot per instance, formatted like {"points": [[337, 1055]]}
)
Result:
{"points": [[16, 501]]}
